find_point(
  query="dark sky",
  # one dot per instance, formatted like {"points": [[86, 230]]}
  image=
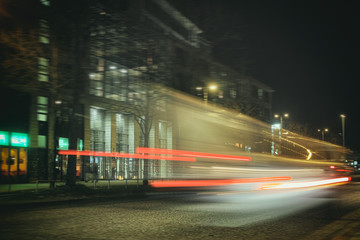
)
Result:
{"points": [[307, 51]]}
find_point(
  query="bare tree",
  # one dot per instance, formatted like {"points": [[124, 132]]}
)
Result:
{"points": [[23, 56]]}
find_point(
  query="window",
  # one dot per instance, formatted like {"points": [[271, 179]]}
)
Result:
{"points": [[44, 31], [163, 134], [41, 141], [232, 92], [42, 108], [122, 132], [97, 126], [43, 65]]}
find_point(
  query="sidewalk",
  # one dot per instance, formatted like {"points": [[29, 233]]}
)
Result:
{"points": [[346, 228], [43, 185], [29, 193]]}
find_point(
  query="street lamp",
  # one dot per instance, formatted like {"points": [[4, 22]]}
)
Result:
{"points": [[343, 128], [281, 116], [323, 133], [206, 92]]}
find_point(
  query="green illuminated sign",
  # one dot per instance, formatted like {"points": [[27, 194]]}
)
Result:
{"points": [[19, 139], [4, 138], [80, 145], [63, 143]]}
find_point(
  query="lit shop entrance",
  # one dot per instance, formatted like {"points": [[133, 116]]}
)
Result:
{"points": [[13, 154]]}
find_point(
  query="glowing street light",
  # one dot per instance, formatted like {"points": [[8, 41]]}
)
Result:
{"points": [[281, 116], [323, 131], [343, 128], [206, 91]]}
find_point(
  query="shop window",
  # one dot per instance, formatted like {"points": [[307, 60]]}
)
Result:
{"points": [[122, 131], [163, 134], [97, 125]]}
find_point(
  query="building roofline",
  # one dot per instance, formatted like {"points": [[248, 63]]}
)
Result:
{"points": [[187, 23]]}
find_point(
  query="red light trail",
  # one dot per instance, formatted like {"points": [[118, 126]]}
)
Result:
{"points": [[125, 155], [208, 183], [157, 154], [316, 183], [191, 154]]}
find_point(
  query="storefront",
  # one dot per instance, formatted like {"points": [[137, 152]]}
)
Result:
{"points": [[61, 161], [14, 154]]}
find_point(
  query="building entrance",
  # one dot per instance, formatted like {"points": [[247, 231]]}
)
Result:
{"points": [[13, 161]]}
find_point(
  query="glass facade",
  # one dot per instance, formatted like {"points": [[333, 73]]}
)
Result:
{"points": [[125, 139], [97, 140]]}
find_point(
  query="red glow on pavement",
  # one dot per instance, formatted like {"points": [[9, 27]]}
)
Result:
{"points": [[208, 183], [343, 170], [125, 155], [290, 185], [191, 154]]}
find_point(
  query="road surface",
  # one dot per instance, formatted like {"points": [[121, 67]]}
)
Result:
{"points": [[185, 216]]}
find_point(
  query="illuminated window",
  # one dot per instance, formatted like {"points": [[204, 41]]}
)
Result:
{"points": [[43, 65], [122, 132], [41, 141], [163, 134], [44, 31], [97, 126], [42, 108]]}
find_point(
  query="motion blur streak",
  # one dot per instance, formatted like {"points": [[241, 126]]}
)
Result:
{"points": [[208, 183], [343, 170], [191, 154], [310, 154], [304, 184], [124, 155], [264, 170]]}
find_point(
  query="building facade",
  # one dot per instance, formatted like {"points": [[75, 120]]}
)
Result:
{"points": [[99, 85]]}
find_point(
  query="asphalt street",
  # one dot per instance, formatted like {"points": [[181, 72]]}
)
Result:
{"points": [[184, 216]]}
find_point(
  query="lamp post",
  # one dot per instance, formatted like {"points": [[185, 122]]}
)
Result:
{"points": [[281, 116], [206, 92], [343, 128], [323, 131]]}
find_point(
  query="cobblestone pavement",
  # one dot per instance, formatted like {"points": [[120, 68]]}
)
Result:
{"points": [[129, 220], [176, 217]]}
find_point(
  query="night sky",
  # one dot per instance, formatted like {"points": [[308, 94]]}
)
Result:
{"points": [[307, 51]]}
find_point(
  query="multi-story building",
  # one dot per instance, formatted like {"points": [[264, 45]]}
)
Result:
{"points": [[99, 86]]}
